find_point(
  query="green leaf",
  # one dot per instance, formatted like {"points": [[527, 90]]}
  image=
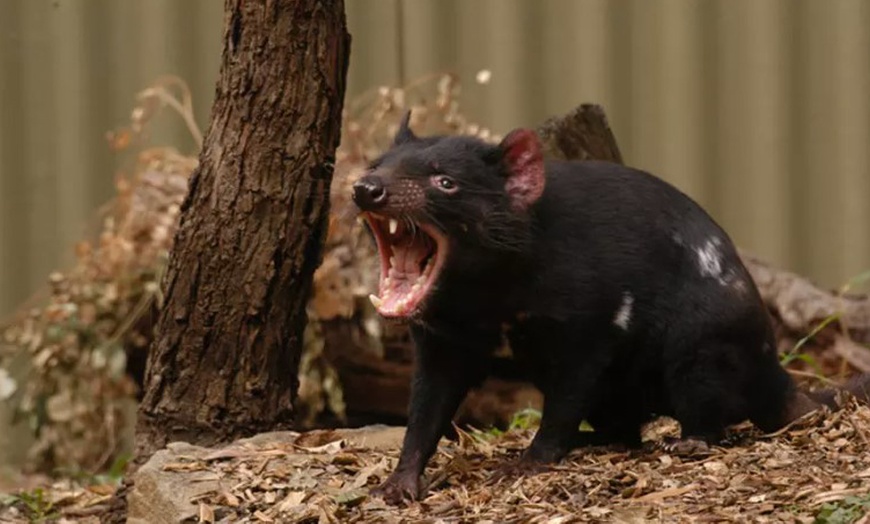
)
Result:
{"points": [[824, 323]]}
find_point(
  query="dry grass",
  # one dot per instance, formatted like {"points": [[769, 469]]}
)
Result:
{"points": [[72, 349]]}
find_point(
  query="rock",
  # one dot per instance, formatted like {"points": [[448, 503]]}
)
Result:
{"points": [[165, 486], [159, 495]]}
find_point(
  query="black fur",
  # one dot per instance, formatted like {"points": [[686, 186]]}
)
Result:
{"points": [[697, 343]]}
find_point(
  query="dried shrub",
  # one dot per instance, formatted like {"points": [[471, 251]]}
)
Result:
{"points": [[76, 395], [73, 349]]}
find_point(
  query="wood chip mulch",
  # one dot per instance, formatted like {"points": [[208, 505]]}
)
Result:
{"points": [[786, 477], [818, 470]]}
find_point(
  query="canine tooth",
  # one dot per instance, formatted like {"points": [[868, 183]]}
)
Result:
{"points": [[360, 220], [394, 226], [376, 300], [392, 261]]}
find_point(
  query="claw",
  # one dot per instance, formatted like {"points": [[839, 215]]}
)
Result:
{"points": [[686, 447], [398, 487]]}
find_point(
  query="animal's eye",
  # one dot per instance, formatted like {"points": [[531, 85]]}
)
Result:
{"points": [[445, 183]]}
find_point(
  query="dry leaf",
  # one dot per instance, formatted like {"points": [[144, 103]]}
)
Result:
{"points": [[362, 477], [183, 466], [293, 499], [330, 448], [231, 499], [665, 493], [8, 386], [206, 513]]}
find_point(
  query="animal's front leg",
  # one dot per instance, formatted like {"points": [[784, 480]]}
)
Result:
{"points": [[444, 372]]}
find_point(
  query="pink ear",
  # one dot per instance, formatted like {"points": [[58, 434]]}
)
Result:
{"points": [[525, 163]]}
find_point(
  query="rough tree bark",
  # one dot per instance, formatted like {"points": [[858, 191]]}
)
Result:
{"points": [[223, 363]]}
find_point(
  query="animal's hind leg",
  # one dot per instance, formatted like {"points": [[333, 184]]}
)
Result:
{"points": [[572, 371], [776, 400], [564, 409], [707, 386], [558, 433], [615, 420], [571, 395]]}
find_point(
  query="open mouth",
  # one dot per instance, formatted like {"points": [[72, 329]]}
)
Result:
{"points": [[412, 255]]}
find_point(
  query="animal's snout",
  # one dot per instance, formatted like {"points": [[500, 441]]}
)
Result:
{"points": [[369, 193]]}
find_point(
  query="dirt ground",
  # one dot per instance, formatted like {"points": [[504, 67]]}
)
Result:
{"points": [[818, 470]]}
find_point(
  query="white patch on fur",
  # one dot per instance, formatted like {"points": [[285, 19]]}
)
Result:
{"points": [[710, 259], [710, 265], [623, 314], [739, 286]]}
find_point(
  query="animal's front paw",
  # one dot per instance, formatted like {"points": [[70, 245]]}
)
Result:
{"points": [[398, 487]]}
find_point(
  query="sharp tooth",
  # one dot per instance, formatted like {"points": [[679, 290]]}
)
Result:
{"points": [[360, 220], [394, 226], [376, 300], [392, 261]]}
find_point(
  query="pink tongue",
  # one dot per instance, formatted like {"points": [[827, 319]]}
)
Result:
{"points": [[406, 260], [404, 271]]}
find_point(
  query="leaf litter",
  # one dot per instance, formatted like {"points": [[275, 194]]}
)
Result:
{"points": [[752, 477], [795, 475]]}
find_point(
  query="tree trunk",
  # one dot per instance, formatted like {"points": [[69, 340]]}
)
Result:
{"points": [[228, 339]]}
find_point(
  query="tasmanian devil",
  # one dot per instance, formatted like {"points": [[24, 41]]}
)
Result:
{"points": [[618, 293]]}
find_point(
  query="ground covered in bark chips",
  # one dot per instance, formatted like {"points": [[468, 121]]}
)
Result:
{"points": [[818, 470]]}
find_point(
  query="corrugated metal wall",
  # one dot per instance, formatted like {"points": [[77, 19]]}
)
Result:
{"points": [[759, 109]]}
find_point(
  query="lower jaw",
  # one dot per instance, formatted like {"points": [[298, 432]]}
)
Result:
{"points": [[402, 307], [398, 299]]}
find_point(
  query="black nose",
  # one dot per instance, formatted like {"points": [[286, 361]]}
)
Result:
{"points": [[369, 193]]}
